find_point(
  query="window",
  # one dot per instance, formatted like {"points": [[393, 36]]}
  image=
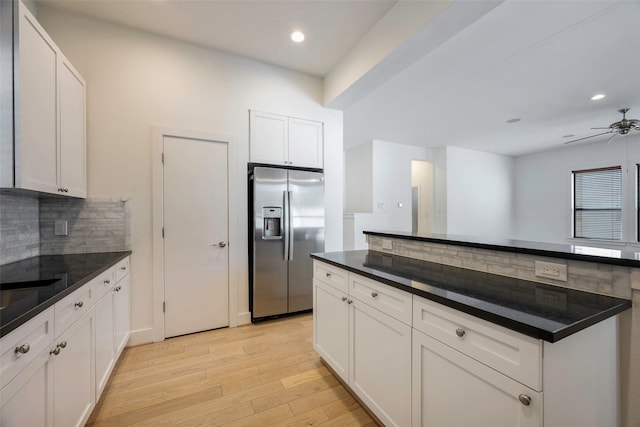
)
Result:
{"points": [[597, 203]]}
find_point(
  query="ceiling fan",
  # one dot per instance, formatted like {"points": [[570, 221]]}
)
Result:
{"points": [[622, 127]]}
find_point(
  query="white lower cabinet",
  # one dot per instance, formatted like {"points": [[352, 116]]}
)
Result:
{"points": [[122, 313], [73, 374], [451, 389], [104, 342], [330, 327], [28, 399], [380, 363]]}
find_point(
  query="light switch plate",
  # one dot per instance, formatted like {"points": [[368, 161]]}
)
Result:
{"points": [[60, 228]]}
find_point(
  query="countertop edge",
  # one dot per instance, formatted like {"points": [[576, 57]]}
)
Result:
{"points": [[529, 330], [624, 262], [7, 328]]}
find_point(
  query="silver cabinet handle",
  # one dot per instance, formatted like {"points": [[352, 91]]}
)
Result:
{"points": [[524, 399], [107, 281], [55, 351], [117, 288], [63, 344], [220, 244], [350, 301], [123, 268], [327, 274], [374, 294], [79, 304], [344, 299], [460, 332], [23, 349]]}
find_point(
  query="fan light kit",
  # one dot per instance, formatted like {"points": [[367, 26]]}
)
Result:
{"points": [[622, 127], [598, 97], [297, 36]]}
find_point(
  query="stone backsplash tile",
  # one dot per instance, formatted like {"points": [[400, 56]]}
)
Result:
{"points": [[19, 236], [94, 225], [592, 277]]}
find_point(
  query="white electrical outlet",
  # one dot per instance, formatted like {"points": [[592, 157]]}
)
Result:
{"points": [[550, 270], [387, 244], [60, 228]]}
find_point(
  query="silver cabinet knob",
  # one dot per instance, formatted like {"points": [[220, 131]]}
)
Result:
{"points": [[63, 344], [460, 332], [107, 281], [327, 274], [524, 399], [117, 288], [220, 244], [374, 294], [79, 304], [123, 268], [350, 301], [344, 299], [55, 351], [23, 349]]}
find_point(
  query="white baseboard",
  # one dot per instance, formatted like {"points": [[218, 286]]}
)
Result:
{"points": [[244, 318], [140, 336]]}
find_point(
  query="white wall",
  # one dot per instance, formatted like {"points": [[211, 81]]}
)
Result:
{"points": [[543, 187], [136, 80], [358, 173], [422, 178], [479, 188]]}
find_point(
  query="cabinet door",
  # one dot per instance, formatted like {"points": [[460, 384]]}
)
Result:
{"points": [[380, 363], [451, 389], [104, 341], [73, 374], [122, 308], [331, 327], [28, 399], [72, 156], [305, 143], [268, 138], [37, 97]]}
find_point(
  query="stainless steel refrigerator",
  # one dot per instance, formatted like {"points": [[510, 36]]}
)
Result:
{"points": [[286, 225]]}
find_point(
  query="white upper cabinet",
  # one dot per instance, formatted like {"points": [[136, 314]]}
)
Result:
{"points": [[49, 141], [287, 141]]}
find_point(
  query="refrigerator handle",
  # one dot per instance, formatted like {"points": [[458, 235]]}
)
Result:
{"points": [[291, 235], [285, 196]]}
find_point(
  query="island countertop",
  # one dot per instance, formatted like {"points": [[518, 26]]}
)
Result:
{"points": [[580, 251], [30, 286], [541, 311]]}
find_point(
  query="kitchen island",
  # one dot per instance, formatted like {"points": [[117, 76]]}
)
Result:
{"points": [[411, 338]]}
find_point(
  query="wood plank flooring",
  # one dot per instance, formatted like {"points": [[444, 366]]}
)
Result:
{"points": [[254, 375]]}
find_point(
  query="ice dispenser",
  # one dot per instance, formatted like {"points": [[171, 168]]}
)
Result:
{"points": [[272, 226]]}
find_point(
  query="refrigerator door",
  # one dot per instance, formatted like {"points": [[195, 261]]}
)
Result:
{"points": [[269, 237], [306, 198]]}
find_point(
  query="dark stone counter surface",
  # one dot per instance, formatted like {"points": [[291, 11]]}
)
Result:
{"points": [[587, 251], [534, 309], [30, 286]]}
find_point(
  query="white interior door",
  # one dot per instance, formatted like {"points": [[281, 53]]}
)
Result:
{"points": [[196, 229]]}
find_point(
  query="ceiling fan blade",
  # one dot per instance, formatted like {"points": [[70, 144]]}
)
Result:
{"points": [[612, 136], [608, 127], [592, 136]]}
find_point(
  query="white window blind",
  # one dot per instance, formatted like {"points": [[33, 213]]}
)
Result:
{"points": [[597, 212]]}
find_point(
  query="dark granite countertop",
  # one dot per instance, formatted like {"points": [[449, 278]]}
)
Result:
{"points": [[589, 251], [30, 286], [534, 309]]}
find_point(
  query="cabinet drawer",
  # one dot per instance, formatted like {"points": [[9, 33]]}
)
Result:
{"points": [[122, 269], [509, 352], [20, 347], [102, 284], [69, 309], [336, 277], [392, 301]]}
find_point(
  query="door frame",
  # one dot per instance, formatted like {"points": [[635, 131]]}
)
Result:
{"points": [[158, 134]]}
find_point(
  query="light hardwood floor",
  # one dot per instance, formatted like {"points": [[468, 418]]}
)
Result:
{"points": [[254, 375]]}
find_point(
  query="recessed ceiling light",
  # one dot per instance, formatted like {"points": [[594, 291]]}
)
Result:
{"points": [[568, 136], [515, 120], [297, 36], [598, 96]]}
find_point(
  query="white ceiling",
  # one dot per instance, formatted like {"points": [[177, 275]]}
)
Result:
{"points": [[257, 29], [538, 60]]}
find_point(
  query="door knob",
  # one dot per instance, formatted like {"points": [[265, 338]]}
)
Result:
{"points": [[220, 244]]}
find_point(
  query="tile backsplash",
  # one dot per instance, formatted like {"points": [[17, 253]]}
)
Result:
{"points": [[93, 225], [19, 227]]}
